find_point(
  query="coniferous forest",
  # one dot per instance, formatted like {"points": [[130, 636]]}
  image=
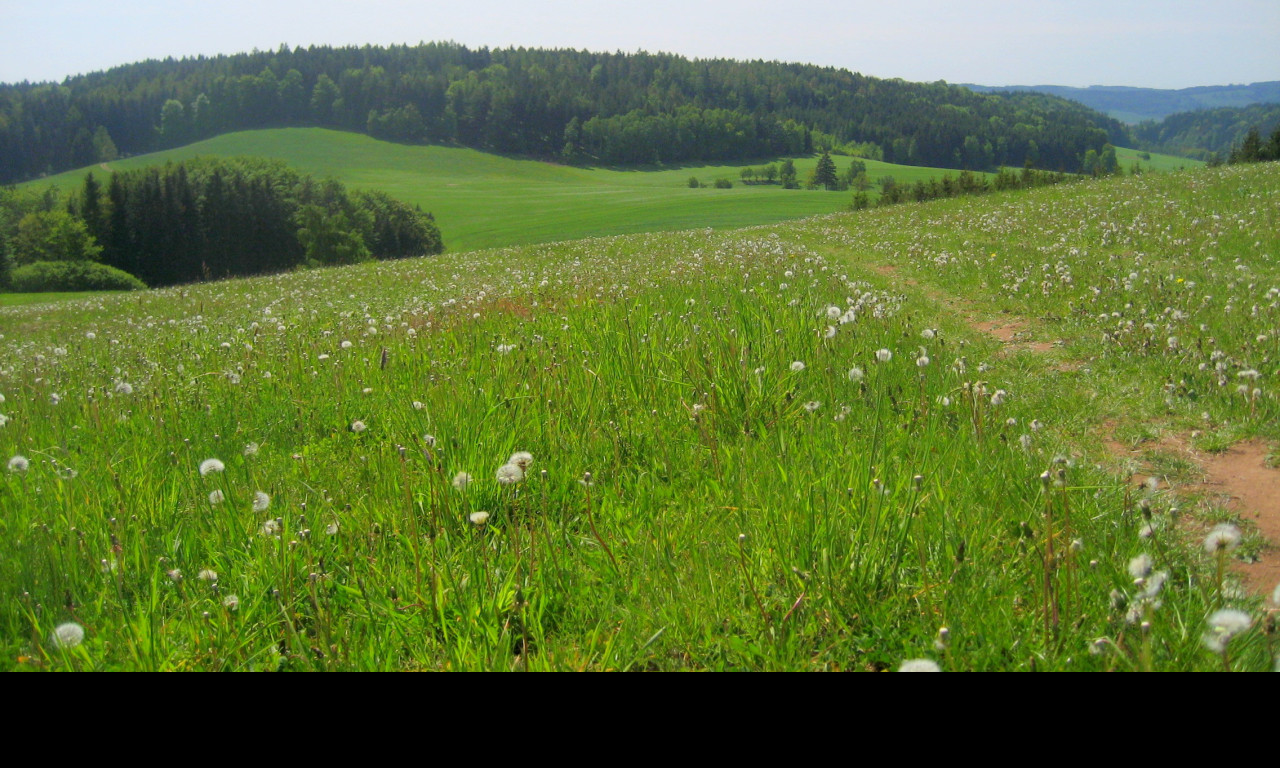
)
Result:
{"points": [[567, 105], [210, 218]]}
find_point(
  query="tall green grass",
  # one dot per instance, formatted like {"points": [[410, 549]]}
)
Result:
{"points": [[779, 448]]}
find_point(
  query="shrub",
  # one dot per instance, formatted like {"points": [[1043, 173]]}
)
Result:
{"points": [[694, 183], [724, 184], [48, 276]]}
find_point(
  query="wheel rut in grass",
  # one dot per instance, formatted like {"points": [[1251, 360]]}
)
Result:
{"points": [[1240, 480]]}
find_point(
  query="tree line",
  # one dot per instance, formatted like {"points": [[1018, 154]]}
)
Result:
{"points": [[568, 105], [209, 218]]}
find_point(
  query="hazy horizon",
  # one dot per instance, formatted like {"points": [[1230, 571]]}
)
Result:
{"points": [[1141, 44]]}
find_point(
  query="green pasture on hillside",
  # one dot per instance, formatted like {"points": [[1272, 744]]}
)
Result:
{"points": [[482, 200]]}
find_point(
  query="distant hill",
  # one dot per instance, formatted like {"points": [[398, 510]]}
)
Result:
{"points": [[1206, 132], [1135, 105], [571, 106]]}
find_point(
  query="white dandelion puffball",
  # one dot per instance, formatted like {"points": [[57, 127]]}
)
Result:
{"points": [[855, 374], [124, 388], [231, 602], [211, 466], [1224, 537], [522, 459], [68, 635], [797, 366], [1140, 566], [261, 502], [19, 464], [216, 497], [919, 665], [461, 481], [478, 518], [207, 574], [883, 355], [510, 474], [358, 426], [1224, 625], [251, 450]]}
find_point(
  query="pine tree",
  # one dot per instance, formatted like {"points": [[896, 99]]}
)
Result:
{"points": [[825, 173]]}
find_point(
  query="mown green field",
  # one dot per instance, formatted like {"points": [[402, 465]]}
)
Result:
{"points": [[785, 447], [482, 200]]}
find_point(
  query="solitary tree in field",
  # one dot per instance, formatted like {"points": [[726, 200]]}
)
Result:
{"points": [[825, 174]]}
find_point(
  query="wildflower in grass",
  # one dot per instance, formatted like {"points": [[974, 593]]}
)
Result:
{"points": [[174, 575], [856, 374], [331, 529], [271, 527], [522, 459], [922, 361], [797, 366], [478, 518], [883, 355], [67, 635], [928, 333], [251, 450], [461, 481], [345, 345], [216, 497], [124, 388], [207, 574], [261, 502], [1224, 625], [943, 640], [211, 466], [419, 405], [3, 420], [919, 665], [55, 398], [19, 464], [429, 441], [510, 474], [1224, 537], [231, 602], [999, 397], [503, 349], [1140, 566], [812, 406], [358, 426]]}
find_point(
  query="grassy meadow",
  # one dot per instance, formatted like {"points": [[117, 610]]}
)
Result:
{"points": [[787, 447], [482, 200]]}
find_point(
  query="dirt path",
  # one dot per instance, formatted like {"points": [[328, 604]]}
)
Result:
{"points": [[1237, 478]]}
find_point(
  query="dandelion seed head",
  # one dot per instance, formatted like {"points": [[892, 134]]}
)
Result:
{"points": [[478, 518], [1140, 566], [812, 406], [216, 497], [883, 355], [1224, 625], [19, 464], [1223, 537], [510, 474], [251, 449], [124, 388], [207, 574], [271, 528], [919, 665], [67, 635], [522, 459], [358, 426], [261, 502], [856, 374], [231, 602], [797, 366], [211, 466], [331, 529]]}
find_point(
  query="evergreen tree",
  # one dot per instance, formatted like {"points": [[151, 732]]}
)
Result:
{"points": [[824, 174]]}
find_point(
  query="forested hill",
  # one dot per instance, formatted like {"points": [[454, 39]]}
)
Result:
{"points": [[1207, 132], [553, 104], [1134, 105]]}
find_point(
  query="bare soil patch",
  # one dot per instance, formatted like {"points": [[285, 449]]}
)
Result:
{"points": [[1241, 480]]}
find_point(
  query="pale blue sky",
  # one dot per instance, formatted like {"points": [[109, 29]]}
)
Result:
{"points": [[1159, 44]]}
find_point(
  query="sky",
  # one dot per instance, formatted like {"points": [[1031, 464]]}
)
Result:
{"points": [[1145, 43]]}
